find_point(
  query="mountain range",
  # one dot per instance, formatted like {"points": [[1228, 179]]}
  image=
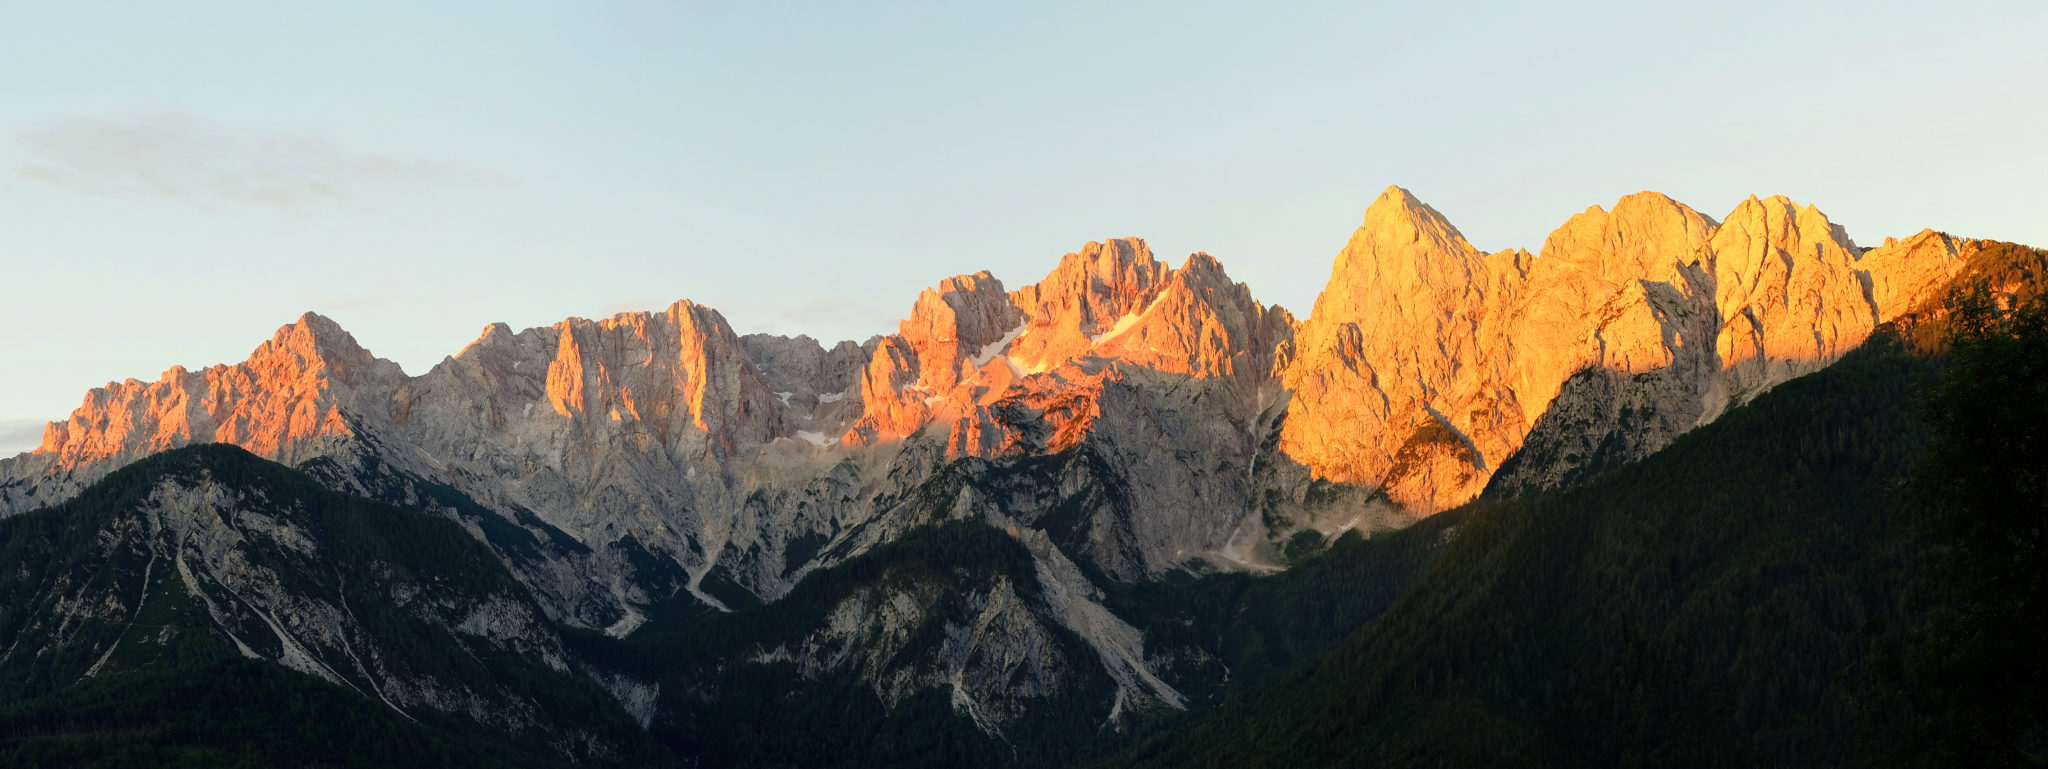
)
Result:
{"points": [[626, 540]]}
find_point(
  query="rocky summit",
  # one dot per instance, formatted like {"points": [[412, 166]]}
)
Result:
{"points": [[1424, 366], [1027, 513]]}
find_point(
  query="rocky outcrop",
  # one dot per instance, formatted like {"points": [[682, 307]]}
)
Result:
{"points": [[678, 382], [934, 365], [1911, 273], [591, 453], [820, 387], [1164, 375], [1789, 294], [291, 400], [1426, 363], [1637, 303], [1601, 419], [208, 553], [1399, 375], [1083, 300], [1120, 418]]}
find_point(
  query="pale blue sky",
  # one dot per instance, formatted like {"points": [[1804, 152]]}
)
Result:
{"points": [[175, 184]]}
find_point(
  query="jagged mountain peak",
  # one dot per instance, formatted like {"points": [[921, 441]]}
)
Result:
{"points": [[1400, 233], [1109, 260], [1645, 236], [964, 311], [1201, 263], [1424, 364], [1781, 210], [1087, 293], [1908, 273], [314, 342], [1397, 212], [1397, 346], [496, 333], [1115, 420], [967, 346], [292, 394], [312, 327]]}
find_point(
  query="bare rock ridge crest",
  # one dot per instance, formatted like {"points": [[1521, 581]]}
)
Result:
{"points": [[1426, 362], [1198, 425], [1122, 417]]}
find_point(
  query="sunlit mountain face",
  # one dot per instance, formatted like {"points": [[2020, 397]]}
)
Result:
{"points": [[1079, 520]]}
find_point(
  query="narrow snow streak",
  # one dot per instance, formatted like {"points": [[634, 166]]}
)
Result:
{"points": [[1126, 322], [992, 349], [1022, 370]]}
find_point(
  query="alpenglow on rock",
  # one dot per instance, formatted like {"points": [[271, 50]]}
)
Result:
{"points": [[1426, 363], [648, 452], [621, 462]]}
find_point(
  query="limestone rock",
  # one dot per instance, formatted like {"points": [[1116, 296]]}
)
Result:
{"points": [[1789, 295], [937, 349], [1085, 298], [1426, 363], [1399, 372], [1184, 421], [289, 401], [820, 387], [1905, 274]]}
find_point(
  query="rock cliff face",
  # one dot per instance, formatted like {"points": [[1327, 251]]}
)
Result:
{"points": [[1119, 419], [290, 400], [1000, 622], [970, 353], [820, 387], [648, 452], [209, 553], [1399, 372], [1426, 365], [1788, 293], [933, 358], [1163, 377], [618, 462], [1906, 275], [1626, 336]]}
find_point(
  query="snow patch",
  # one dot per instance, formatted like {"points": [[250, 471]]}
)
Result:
{"points": [[832, 397], [992, 349], [1022, 370], [785, 397], [1125, 323], [816, 439]]}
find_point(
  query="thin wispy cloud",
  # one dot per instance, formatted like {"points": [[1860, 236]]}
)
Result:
{"points": [[184, 158]]}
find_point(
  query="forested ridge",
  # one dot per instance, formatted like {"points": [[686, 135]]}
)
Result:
{"points": [[154, 681], [1711, 605], [1847, 571]]}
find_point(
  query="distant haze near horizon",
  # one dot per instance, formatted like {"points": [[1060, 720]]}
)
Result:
{"points": [[176, 184]]}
